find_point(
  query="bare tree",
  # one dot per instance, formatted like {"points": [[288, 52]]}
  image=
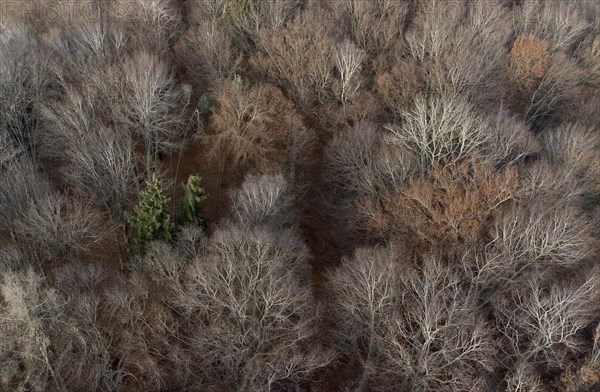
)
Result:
{"points": [[80, 40], [561, 24], [201, 11], [56, 228], [263, 201], [66, 124], [524, 378], [376, 26], [142, 331], [512, 142], [272, 15], [543, 324], [155, 106], [20, 185], [553, 184], [364, 295], [588, 54], [27, 313], [251, 315], [538, 235], [85, 359], [412, 328], [83, 113], [22, 85], [247, 298], [348, 60], [207, 53], [350, 154], [555, 92], [460, 47], [190, 240], [152, 25], [12, 258], [9, 153], [104, 171], [441, 130], [573, 150], [361, 162], [360, 166], [246, 20], [164, 266]]}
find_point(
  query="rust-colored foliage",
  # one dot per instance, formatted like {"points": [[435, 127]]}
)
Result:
{"points": [[450, 206], [399, 87], [584, 379], [299, 58], [256, 127], [529, 61]]}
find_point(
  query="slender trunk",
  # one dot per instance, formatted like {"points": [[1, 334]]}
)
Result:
{"points": [[294, 158], [134, 168], [366, 373], [119, 250], [59, 383], [243, 387], [219, 180], [151, 154]]}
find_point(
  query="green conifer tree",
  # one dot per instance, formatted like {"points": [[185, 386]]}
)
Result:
{"points": [[193, 196], [150, 217]]}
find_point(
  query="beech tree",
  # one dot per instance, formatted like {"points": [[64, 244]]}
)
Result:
{"points": [[302, 67], [257, 127], [545, 82], [451, 206]]}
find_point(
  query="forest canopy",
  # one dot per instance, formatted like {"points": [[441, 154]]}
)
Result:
{"points": [[300, 195]]}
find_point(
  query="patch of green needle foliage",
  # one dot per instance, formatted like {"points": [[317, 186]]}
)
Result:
{"points": [[150, 218], [191, 203]]}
